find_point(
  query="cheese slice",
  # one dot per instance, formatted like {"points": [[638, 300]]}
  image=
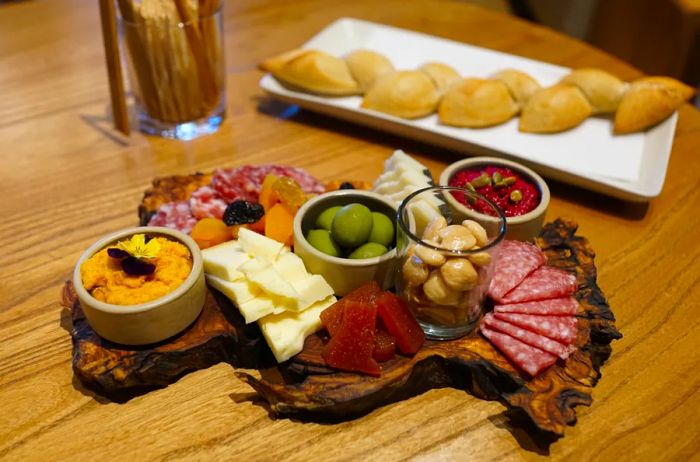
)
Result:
{"points": [[224, 259], [264, 275], [257, 245], [311, 290], [285, 333], [400, 157], [423, 212], [261, 306], [291, 267], [238, 292]]}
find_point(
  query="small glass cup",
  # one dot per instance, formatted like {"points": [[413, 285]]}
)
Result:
{"points": [[176, 68], [443, 273]]}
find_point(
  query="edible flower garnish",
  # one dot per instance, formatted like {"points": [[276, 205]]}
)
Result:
{"points": [[134, 252]]}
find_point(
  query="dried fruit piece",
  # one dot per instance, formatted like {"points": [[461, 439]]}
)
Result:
{"points": [[240, 212], [400, 323], [350, 349], [209, 232], [279, 224], [268, 197], [331, 317], [289, 193]]}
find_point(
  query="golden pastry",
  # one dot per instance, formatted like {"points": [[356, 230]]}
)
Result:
{"points": [[648, 101], [477, 103], [313, 71], [520, 84], [554, 109], [407, 94], [603, 90], [443, 76], [366, 66]]}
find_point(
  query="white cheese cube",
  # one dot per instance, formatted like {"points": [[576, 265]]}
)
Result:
{"points": [[311, 290], [238, 292], [285, 333], [261, 273], [224, 259], [291, 267], [257, 245]]}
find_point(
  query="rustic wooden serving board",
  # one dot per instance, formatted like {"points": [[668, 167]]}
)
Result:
{"points": [[304, 387]]}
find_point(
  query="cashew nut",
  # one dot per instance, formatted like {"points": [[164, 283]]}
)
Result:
{"points": [[459, 274], [436, 224], [415, 272], [456, 237], [430, 256], [438, 292], [478, 231], [480, 259]]}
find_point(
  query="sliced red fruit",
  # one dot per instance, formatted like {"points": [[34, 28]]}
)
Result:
{"points": [[350, 349], [400, 323], [332, 316], [384, 344]]}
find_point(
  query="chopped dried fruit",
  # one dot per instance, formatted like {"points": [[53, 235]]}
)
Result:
{"points": [[400, 323], [352, 346], [289, 193], [384, 344], [241, 212], [279, 224], [209, 232]]}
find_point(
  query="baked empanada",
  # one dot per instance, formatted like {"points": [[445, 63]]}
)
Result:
{"points": [[366, 66], [407, 94], [520, 84], [554, 109], [313, 71], [443, 76], [648, 101], [477, 103], [603, 90]]}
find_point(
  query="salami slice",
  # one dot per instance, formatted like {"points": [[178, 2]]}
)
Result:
{"points": [[515, 261], [544, 283], [176, 215], [563, 306], [205, 202], [526, 336], [528, 358], [562, 328], [246, 182]]}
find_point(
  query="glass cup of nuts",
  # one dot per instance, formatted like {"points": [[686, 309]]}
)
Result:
{"points": [[447, 252]]}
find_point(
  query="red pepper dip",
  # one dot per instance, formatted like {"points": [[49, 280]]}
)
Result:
{"points": [[511, 192]]}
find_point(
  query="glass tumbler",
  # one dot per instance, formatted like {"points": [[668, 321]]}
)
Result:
{"points": [[175, 59], [447, 252]]}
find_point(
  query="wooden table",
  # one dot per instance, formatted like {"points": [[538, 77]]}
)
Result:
{"points": [[67, 179]]}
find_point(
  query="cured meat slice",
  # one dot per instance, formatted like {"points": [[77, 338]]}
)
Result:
{"points": [[526, 336], [562, 306], [515, 261], [175, 215], [562, 328], [205, 202], [528, 358], [544, 283], [246, 182]]}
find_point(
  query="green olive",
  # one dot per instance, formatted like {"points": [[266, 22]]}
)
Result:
{"points": [[382, 230], [326, 218], [321, 240], [369, 250], [352, 225]]}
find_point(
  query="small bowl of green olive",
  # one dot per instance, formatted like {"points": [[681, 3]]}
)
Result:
{"points": [[348, 237]]}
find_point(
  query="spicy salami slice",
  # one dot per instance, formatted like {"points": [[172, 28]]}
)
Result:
{"points": [[540, 341], [515, 261], [562, 306], [562, 328], [528, 358], [246, 182], [544, 283], [175, 215], [205, 202]]}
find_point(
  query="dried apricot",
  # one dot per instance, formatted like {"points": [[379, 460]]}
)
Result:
{"points": [[209, 232], [279, 222]]}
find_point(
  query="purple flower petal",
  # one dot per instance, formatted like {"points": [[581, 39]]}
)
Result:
{"points": [[117, 253], [136, 267]]}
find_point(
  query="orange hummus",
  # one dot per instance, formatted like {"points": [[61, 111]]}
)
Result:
{"points": [[104, 278]]}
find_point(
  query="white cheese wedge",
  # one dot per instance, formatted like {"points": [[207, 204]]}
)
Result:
{"points": [[285, 333], [264, 275], [224, 259], [238, 292], [258, 245], [291, 267], [261, 306], [388, 187], [311, 290], [401, 157], [423, 213]]}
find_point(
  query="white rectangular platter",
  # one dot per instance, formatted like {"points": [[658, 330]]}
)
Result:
{"points": [[631, 167]]}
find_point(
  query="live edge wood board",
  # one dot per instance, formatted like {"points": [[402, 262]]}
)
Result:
{"points": [[305, 388]]}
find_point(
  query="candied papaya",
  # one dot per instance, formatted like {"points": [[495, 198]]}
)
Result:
{"points": [[351, 348], [332, 317], [400, 323], [384, 344]]}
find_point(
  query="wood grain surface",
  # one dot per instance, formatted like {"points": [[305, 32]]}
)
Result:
{"points": [[68, 178]]}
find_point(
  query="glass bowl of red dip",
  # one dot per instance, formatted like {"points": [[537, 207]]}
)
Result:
{"points": [[520, 192]]}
